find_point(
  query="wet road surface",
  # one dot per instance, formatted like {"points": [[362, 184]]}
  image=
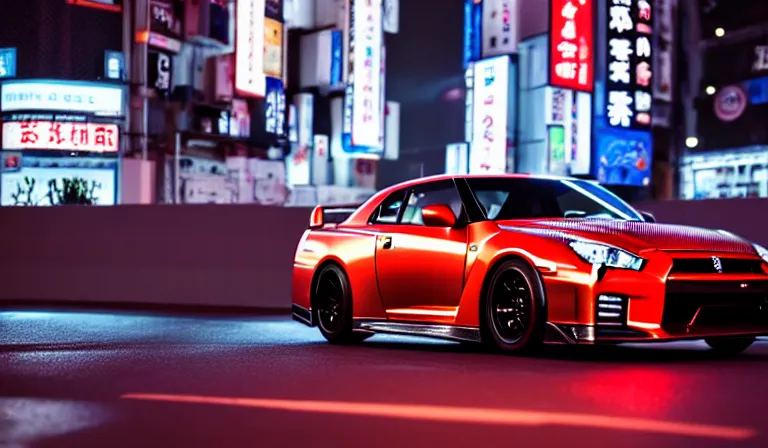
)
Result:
{"points": [[118, 379]]}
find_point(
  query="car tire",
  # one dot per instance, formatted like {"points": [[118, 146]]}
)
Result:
{"points": [[514, 317], [332, 306], [729, 346]]}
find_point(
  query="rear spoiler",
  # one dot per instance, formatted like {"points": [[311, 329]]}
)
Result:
{"points": [[331, 214]]}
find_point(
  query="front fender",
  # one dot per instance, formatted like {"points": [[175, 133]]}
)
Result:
{"points": [[557, 264]]}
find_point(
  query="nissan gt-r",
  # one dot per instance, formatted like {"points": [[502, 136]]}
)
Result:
{"points": [[515, 261]]}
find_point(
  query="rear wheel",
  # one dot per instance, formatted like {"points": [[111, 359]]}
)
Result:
{"points": [[729, 346], [332, 306], [515, 309]]}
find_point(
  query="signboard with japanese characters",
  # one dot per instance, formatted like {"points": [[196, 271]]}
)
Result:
{"points": [[363, 105], [60, 136], [571, 44], [499, 27], [629, 89], [488, 153], [249, 48]]}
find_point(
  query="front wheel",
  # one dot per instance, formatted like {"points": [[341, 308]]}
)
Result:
{"points": [[332, 303], [515, 312], [729, 346]]}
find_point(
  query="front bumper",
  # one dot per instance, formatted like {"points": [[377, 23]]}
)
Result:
{"points": [[660, 304]]}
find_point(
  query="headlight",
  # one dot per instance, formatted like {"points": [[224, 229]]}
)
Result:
{"points": [[606, 255], [763, 252]]}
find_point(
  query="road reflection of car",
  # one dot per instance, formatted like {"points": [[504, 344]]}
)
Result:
{"points": [[516, 261]]}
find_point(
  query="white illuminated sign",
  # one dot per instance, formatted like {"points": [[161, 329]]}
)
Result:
{"points": [[499, 27], [62, 96], [367, 40], [249, 49], [488, 153], [61, 136], [628, 81]]}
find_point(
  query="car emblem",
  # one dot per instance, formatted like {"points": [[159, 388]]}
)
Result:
{"points": [[718, 264]]}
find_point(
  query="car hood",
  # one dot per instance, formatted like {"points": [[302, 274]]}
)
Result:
{"points": [[634, 235]]}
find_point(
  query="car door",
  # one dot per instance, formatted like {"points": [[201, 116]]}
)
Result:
{"points": [[420, 269]]}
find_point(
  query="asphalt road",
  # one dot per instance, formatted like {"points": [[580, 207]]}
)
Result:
{"points": [[77, 379]]}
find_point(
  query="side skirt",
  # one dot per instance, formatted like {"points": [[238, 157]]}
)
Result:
{"points": [[437, 331], [301, 314]]}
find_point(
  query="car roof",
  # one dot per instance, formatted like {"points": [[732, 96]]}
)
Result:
{"points": [[362, 214]]}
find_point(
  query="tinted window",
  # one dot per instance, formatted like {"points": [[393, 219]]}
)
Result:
{"points": [[390, 208], [521, 198], [443, 192]]}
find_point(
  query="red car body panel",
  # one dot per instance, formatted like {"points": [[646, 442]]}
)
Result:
{"points": [[435, 276]]}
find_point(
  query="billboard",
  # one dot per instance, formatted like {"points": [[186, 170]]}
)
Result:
{"points": [[473, 19], [629, 88], [45, 181], [61, 136], [571, 59], [273, 48], [499, 28], [623, 157], [62, 96], [249, 48], [365, 78], [488, 152]]}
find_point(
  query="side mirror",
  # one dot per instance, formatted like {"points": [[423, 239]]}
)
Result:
{"points": [[648, 217], [317, 218], [438, 215]]}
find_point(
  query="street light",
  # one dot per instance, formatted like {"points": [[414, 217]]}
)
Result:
{"points": [[719, 32], [691, 142]]}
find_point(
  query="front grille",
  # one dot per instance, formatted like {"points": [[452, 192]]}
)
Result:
{"points": [[707, 266], [690, 306]]}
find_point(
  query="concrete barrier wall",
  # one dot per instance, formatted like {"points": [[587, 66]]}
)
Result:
{"points": [[224, 255], [194, 255]]}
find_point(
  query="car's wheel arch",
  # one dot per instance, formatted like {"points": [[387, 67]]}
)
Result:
{"points": [[328, 261], [493, 266]]}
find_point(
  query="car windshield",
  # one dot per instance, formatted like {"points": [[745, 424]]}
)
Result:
{"points": [[531, 198]]}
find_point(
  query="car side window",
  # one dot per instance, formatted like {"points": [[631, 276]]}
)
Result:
{"points": [[389, 209], [442, 192]]}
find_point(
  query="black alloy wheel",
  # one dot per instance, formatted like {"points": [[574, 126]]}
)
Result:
{"points": [[515, 308], [332, 305], [729, 346]]}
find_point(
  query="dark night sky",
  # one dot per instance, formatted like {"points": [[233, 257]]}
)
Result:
{"points": [[424, 60]]}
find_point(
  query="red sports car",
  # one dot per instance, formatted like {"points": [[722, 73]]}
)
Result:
{"points": [[515, 261]]}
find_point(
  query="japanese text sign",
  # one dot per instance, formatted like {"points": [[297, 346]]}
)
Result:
{"points": [[488, 153], [249, 48], [61, 136], [629, 90], [367, 35], [571, 44]]}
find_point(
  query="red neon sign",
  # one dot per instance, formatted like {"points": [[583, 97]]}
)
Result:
{"points": [[571, 61], [61, 136]]}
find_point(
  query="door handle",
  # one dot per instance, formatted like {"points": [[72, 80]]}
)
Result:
{"points": [[386, 242]]}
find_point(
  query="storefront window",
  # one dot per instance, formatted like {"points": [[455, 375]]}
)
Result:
{"points": [[742, 174]]}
